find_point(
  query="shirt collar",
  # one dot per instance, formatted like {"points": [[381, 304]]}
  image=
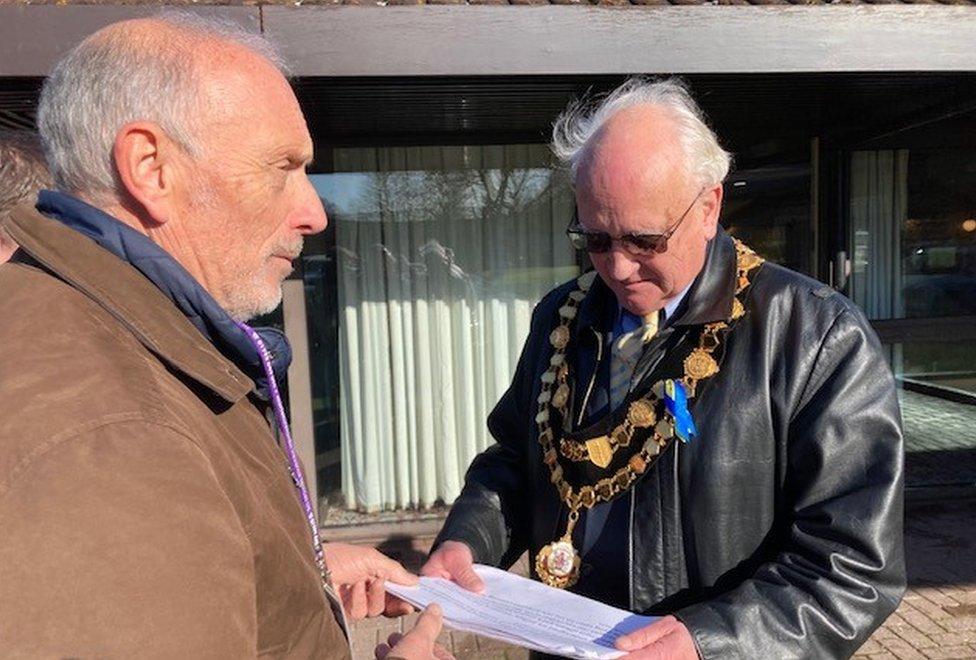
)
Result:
{"points": [[627, 321], [159, 267]]}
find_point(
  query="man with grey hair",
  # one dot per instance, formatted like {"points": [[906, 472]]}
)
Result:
{"points": [[147, 508], [691, 432], [22, 174]]}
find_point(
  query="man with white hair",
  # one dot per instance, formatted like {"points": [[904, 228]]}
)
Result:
{"points": [[691, 432], [147, 508]]}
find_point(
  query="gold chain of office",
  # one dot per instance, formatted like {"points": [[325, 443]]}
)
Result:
{"points": [[558, 563]]}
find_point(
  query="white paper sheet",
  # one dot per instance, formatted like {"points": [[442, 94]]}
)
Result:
{"points": [[526, 613]]}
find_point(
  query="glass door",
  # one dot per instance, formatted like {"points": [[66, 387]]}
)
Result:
{"points": [[912, 232]]}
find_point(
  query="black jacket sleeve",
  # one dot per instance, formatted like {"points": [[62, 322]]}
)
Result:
{"points": [[839, 569]]}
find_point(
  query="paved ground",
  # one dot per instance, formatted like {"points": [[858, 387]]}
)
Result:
{"points": [[940, 438], [934, 424], [937, 619]]}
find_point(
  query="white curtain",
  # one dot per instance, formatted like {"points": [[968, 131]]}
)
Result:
{"points": [[879, 207], [442, 254]]}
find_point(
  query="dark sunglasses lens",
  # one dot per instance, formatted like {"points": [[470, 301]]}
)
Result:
{"points": [[591, 242], [647, 244], [598, 242]]}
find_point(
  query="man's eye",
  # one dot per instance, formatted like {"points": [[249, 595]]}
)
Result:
{"points": [[290, 165]]}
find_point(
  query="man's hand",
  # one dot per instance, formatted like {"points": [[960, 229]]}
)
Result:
{"points": [[453, 560], [359, 574], [419, 643], [665, 639]]}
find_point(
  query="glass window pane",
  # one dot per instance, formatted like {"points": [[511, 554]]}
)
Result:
{"points": [[938, 403], [768, 208], [441, 255], [913, 217], [914, 256]]}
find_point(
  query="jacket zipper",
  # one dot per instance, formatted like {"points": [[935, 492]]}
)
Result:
{"points": [[596, 370], [630, 546]]}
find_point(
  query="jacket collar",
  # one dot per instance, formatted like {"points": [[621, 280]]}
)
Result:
{"points": [[598, 310], [710, 297], [145, 288], [708, 300]]}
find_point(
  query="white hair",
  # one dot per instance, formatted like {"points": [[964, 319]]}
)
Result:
{"points": [[113, 79], [705, 159]]}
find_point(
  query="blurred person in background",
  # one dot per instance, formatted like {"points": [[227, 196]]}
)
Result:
{"points": [[23, 173]]}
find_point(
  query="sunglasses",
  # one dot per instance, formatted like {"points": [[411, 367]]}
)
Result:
{"points": [[598, 242]]}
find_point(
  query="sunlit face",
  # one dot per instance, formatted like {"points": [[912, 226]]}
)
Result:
{"points": [[248, 201], [633, 181]]}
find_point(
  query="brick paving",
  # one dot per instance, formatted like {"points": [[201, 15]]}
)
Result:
{"points": [[936, 620]]}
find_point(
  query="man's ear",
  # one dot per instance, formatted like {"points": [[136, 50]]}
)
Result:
{"points": [[712, 207], [145, 163]]}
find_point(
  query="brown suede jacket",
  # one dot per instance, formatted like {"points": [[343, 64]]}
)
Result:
{"points": [[145, 508]]}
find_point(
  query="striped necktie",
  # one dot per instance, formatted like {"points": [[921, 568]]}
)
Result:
{"points": [[626, 351]]}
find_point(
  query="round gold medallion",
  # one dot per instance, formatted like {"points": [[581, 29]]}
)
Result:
{"points": [[641, 414], [700, 365], [561, 397], [559, 337], [558, 564]]}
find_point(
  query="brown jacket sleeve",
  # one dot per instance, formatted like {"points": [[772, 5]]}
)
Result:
{"points": [[118, 542]]}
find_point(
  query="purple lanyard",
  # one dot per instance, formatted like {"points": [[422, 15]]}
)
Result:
{"points": [[294, 467]]}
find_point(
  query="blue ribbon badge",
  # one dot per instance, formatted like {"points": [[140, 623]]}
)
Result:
{"points": [[676, 402]]}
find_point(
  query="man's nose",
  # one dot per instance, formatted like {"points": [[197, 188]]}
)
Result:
{"points": [[310, 217], [620, 264]]}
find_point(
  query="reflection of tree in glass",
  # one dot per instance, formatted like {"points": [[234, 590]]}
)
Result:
{"points": [[432, 196], [447, 212]]}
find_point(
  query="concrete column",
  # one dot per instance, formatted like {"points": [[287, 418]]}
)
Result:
{"points": [[300, 381]]}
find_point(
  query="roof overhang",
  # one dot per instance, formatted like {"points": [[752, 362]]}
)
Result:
{"points": [[490, 40], [34, 37], [551, 39]]}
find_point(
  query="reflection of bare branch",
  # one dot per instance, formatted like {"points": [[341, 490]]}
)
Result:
{"points": [[436, 209]]}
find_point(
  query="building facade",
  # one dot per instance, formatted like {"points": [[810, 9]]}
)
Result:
{"points": [[853, 128]]}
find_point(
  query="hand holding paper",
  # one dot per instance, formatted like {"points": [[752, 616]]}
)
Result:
{"points": [[418, 644], [453, 561], [527, 613], [665, 638]]}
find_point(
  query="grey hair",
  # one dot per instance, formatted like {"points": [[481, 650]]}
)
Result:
{"points": [[110, 80], [705, 159], [23, 171]]}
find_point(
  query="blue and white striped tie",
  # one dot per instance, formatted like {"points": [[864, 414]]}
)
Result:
{"points": [[625, 354]]}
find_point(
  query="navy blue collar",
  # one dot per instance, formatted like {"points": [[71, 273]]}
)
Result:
{"points": [[627, 321], [173, 280]]}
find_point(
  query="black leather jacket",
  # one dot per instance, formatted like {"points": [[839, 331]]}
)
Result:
{"points": [[777, 533]]}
